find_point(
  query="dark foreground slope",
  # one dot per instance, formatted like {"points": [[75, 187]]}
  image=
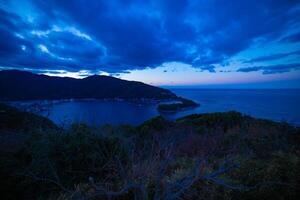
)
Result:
{"points": [[21, 85], [207, 156], [16, 126], [14, 120]]}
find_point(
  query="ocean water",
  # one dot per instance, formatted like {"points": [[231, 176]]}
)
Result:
{"points": [[277, 105]]}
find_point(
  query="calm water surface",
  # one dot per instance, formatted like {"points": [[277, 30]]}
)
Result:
{"points": [[278, 105]]}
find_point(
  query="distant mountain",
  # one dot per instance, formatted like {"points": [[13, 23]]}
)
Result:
{"points": [[21, 85]]}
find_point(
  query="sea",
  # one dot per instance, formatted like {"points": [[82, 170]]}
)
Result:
{"points": [[282, 105]]}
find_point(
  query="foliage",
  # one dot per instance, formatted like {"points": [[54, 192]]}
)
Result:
{"points": [[207, 156], [174, 107], [12, 119]]}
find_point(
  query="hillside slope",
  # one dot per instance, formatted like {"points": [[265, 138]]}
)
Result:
{"points": [[21, 85], [227, 156]]}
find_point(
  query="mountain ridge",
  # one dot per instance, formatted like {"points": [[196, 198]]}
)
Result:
{"points": [[23, 85]]}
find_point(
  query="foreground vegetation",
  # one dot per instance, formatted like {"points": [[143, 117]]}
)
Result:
{"points": [[208, 156]]}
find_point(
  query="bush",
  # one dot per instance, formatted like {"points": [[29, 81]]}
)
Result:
{"points": [[158, 155]]}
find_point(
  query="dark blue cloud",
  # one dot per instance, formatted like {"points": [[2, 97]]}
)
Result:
{"points": [[10, 24], [66, 45], [292, 38], [209, 68], [116, 36], [273, 56], [271, 69]]}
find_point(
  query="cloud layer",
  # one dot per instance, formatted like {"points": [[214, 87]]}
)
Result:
{"points": [[116, 36], [271, 69]]}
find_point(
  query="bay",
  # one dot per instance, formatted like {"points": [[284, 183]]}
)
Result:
{"points": [[276, 104]]}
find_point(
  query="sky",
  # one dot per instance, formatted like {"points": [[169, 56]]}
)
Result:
{"points": [[182, 43]]}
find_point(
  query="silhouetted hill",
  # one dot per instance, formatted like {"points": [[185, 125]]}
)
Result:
{"points": [[21, 85], [14, 120]]}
